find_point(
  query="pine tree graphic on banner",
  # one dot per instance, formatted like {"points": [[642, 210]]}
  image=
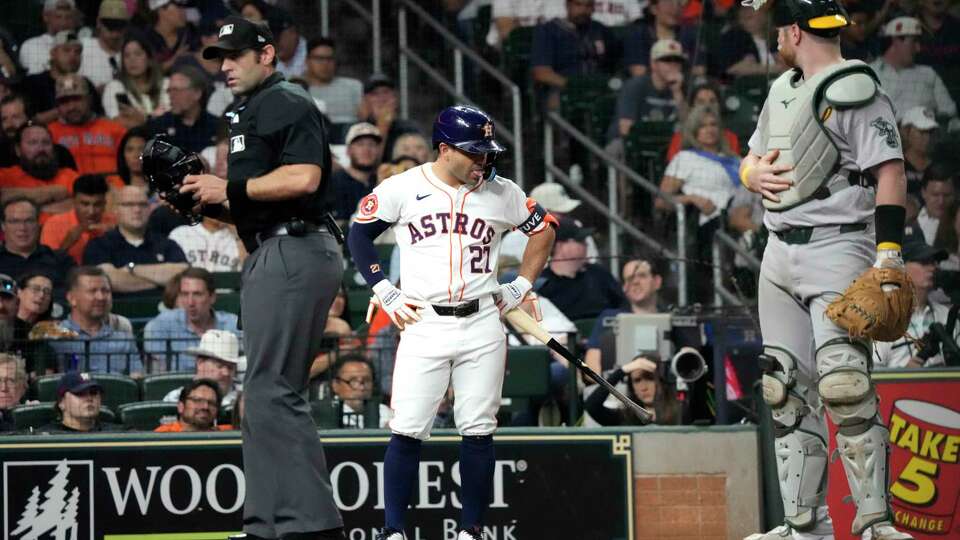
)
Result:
{"points": [[54, 514]]}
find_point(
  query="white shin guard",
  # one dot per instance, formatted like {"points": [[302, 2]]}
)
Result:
{"points": [[802, 468], [865, 463]]}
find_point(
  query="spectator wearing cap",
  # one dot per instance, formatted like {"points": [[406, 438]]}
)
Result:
{"points": [[170, 335], [22, 251], [198, 407], [381, 108], [656, 96], [340, 95], [93, 141], [95, 339], [169, 35], [101, 54], [642, 279], [937, 192], [38, 175], [554, 199], [940, 43], [570, 46], [137, 263], [187, 124], [140, 90], [13, 386], [79, 398], [747, 48], [355, 181], [663, 22], [14, 114], [291, 46], [921, 261], [217, 358], [43, 89], [580, 289], [917, 126], [35, 52], [907, 83], [71, 231]]}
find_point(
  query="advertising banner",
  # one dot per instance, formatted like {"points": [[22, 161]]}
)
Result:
{"points": [[922, 411], [154, 487]]}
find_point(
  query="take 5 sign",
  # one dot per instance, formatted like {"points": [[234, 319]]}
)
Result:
{"points": [[180, 487], [922, 411]]}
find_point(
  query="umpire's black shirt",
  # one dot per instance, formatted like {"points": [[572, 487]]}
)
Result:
{"points": [[277, 124]]}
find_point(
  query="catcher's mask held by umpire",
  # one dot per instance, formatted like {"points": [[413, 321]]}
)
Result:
{"points": [[165, 166], [471, 130]]}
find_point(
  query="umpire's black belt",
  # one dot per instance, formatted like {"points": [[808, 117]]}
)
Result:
{"points": [[460, 310], [803, 235], [290, 228]]}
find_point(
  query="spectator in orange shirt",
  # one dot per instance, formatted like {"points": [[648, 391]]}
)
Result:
{"points": [[71, 231], [93, 141], [39, 176], [197, 409]]}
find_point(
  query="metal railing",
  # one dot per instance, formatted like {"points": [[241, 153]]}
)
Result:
{"points": [[617, 224], [514, 137], [371, 15]]}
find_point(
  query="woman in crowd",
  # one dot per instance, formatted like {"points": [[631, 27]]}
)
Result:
{"points": [[140, 89], [34, 323], [646, 386], [704, 94], [704, 176]]}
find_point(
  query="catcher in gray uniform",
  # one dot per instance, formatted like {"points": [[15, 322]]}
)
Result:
{"points": [[827, 160]]}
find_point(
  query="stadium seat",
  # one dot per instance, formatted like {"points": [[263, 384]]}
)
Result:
{"points": [[515, 60], [357, 299], [528, 372], [753, 87], [645, 148], [155, 387], [146, 415], [137, 308], [584, 327], [324, 414], [229, 302], [602, 111], [226, 280]]}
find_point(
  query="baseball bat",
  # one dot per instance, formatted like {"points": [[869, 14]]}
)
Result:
{"points": [[527, 324]]}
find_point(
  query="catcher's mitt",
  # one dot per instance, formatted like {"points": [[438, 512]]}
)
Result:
{"points": [[866, 310], [165, 166]]}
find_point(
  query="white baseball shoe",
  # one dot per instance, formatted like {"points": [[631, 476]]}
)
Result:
{"points": [[783, 532], [389, 534], [884, 531], [470, 535]]}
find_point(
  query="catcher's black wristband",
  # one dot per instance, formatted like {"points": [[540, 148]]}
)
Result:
{"points": [[890, 220], [237, 194]]}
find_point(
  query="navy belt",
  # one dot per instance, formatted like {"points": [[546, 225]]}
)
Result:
{"points": [[460, 310], [291, 228]]}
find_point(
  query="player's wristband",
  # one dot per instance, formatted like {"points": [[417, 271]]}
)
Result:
{"points": [[744, 174], [237, 193], [890, 219]]}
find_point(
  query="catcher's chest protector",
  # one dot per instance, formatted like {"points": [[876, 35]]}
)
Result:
{"points": [[797, 109]]}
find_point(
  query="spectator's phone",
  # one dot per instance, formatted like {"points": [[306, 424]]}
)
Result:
{"points": [[123, 99]]}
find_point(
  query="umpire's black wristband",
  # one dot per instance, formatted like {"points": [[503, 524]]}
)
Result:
{"points": [[237, 194], [890, 219]]}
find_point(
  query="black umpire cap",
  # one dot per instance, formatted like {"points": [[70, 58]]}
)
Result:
{"points": [[237, 34]]}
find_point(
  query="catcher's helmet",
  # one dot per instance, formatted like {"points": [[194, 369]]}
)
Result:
{"points": [[466, 128], [820, 17]]}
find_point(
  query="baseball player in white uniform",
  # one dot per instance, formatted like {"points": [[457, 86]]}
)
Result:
{"points": [[448, 216], [826, 157]]}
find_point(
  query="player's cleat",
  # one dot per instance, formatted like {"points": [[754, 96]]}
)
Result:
{"points": [[783, 532], [389, 534], [884, 531], [470, 534]]}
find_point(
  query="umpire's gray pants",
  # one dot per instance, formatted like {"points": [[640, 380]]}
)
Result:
{"points": [[288, 286]]}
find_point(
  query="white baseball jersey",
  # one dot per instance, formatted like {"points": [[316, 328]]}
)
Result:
{"points": [[449, 238], [216, 251]]}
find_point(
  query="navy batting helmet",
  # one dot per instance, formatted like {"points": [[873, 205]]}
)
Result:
{"points": [[466, 128]]}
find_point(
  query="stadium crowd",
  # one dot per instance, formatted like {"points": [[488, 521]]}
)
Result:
{"points": [[116, 312]]}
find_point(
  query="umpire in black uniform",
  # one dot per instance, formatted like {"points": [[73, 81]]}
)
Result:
{"points": [[279, 170]]}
